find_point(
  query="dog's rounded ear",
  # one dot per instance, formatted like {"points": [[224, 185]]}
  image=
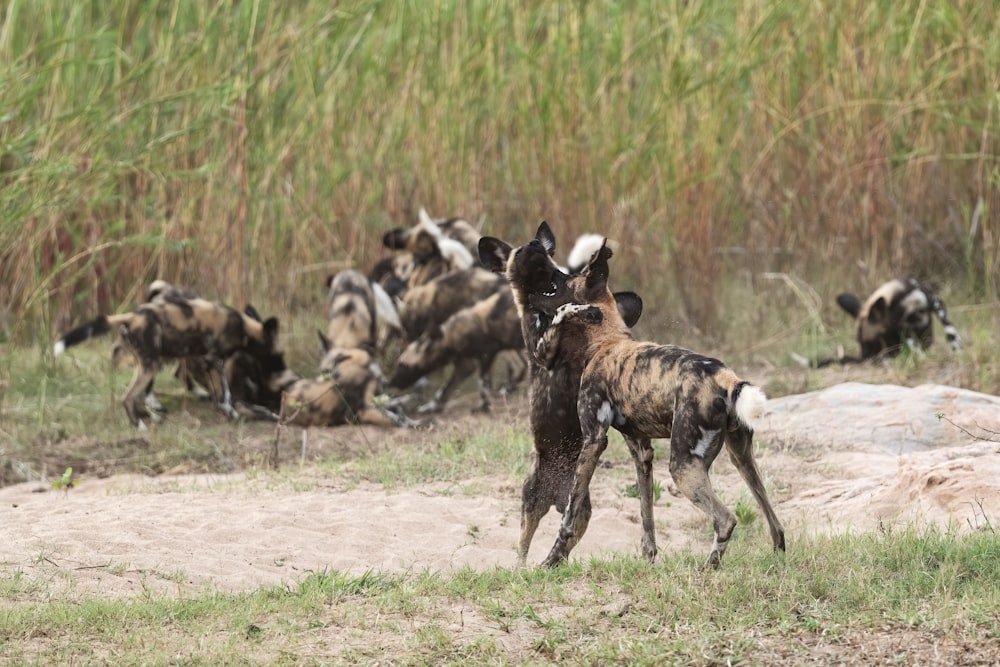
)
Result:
{"points": [[629, 307], [271, 328], [252, 313], [493, 254], [324, 342], [395, 239], [878, 311], [850, 303], [545, 236], [597, 272], [329, 279]]}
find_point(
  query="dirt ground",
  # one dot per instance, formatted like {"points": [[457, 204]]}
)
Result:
{"points": [[177, 533]]}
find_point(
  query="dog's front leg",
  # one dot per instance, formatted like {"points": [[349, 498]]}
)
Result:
{"points": [[226, 404], [595, 418]]}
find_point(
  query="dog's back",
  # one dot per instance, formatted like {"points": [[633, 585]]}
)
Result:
{"points": [[351, 311]]}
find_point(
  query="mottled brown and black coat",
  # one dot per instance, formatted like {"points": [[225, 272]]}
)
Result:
{"points": [[175, 327], [555, 424], [471, 337], [897, 315], [647, 390]]}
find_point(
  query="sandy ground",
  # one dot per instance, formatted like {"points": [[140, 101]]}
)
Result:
{"points": [[126, 535]]}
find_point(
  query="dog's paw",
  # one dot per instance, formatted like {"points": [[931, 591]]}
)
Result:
{"points": [[591, 314], [580, 311]]}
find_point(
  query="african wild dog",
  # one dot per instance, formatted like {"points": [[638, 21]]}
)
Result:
{"points": [[432, 303], [344, 395], [174, 327], [197, 374], [430, 249], [352, 318], [425, 239], [555, 424], [897, 314], [254, 383], [646, 390], [473, 335]]}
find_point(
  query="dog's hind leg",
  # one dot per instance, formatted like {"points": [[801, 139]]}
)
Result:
{"points": [[576, 517], [135, 396], [695, 442], [548, 484], [485, 383], [642, 456], [740, 446], [226, 402], [371, 414], [462, 368], [535, 504]]}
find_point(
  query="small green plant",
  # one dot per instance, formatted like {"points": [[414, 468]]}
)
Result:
{"points": [[745, 514], [66, 482], [632, 490]]}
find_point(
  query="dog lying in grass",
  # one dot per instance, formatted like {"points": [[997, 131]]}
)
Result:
{"points": [[344, 397], [646, 390], [898, 314], [555, 423]]}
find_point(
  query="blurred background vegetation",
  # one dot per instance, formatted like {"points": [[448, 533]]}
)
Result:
{"points": [[751, 157]]}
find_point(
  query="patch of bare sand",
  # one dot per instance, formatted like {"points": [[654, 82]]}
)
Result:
{"points": [[128, 534]]}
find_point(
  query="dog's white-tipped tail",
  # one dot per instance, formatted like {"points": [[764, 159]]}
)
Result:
{"points": [[59, 347], [749, 404], [584, 248]]}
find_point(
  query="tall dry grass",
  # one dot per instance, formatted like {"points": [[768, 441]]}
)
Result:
{"points": [[247, 148]]}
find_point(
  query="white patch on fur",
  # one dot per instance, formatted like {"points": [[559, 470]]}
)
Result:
{"points": [[750, 405], [58, 348], [455, 253], [914, 302], [385, 309], [429, 225], [153, 403], [951, 333], [605, 413], [583, 250], [705, 441]]}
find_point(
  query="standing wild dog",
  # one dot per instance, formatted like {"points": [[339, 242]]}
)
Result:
{"points": [[472, 335], [431, 304], [555, 423], [174, 327], [897, 314], [646, 390]]}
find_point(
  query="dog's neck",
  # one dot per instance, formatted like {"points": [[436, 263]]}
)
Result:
{"points": [[574, 338]]}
